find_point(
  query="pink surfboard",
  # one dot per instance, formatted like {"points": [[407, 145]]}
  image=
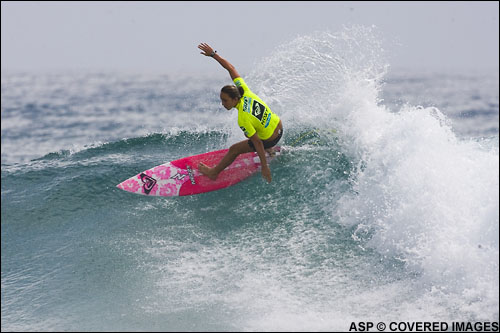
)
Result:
{"points": [[181, 177]]}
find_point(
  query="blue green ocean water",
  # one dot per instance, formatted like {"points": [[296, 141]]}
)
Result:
{"points": [[383, 207]]}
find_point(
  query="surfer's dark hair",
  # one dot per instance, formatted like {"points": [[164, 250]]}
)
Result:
{"points": [[233, 91]]}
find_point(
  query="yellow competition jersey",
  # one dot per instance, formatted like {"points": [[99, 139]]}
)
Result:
{"points": [[254, 115]]}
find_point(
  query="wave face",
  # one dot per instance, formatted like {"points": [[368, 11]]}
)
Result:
{"points": [[379, 210]]}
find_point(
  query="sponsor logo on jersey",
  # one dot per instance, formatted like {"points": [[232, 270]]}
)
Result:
{"points": [[258, 110]]}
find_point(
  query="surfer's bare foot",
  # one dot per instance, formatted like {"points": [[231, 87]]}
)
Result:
{"points": [[207, 171]]}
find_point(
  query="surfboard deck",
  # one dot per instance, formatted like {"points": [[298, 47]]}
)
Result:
{"points": [[181, 177]]}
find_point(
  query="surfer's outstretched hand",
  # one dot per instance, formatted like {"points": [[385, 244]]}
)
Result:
{"points": [[266, 174], [207, 50]]}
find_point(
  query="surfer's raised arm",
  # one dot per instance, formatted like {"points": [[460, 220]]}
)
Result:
{"points": [[210, 52]]}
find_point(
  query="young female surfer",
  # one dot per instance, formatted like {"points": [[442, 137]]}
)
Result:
{"points": [[260, 125]]}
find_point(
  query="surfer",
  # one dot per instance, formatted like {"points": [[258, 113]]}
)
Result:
{"points": [[262, 127]]}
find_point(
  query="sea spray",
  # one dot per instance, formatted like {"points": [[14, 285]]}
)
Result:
{"points": [[308, 79]]}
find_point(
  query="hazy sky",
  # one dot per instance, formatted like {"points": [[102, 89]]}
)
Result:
{"points": [[163, 36]]}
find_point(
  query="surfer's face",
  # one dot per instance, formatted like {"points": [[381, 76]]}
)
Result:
{"points": [[227, 101]]}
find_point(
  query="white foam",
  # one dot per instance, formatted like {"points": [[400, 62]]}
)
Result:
{"points": [[419, 194]]}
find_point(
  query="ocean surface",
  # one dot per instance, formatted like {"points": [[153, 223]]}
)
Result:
{"points": [[384, 205]]}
